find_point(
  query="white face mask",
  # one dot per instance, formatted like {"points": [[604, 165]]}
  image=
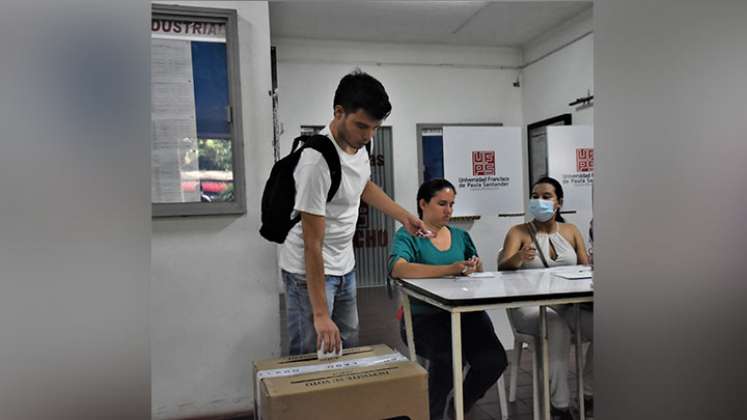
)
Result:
{"points": [[542, 210]]}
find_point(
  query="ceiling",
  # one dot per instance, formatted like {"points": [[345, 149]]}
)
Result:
{"points": [[479, 23]]}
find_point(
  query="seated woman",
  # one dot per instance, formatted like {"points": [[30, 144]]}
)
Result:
{"points": [[559, 244], [449, 251]]}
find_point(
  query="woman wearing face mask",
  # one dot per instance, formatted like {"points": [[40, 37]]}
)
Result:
{"points": [[559, 243], [448, 252]]}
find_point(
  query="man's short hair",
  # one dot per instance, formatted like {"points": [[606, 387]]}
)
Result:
{"points": [[359, 90]]}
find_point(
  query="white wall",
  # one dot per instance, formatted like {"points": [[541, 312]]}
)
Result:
{"points": [[441, 84], [551, 83], [554, 81], [214, 297]]}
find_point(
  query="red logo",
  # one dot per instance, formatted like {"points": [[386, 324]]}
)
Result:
{"points": [[483, 163], [585, 160]]}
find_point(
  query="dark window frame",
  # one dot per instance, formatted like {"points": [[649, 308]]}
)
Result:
{"points": [[563, 119]]}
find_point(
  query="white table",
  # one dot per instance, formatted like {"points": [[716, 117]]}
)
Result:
{"points": [[505, 289]]}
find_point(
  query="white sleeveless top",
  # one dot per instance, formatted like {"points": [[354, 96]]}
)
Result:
{"points": [[566, 254]]}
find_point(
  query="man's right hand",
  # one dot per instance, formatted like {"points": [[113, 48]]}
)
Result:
{"points": [[327, 333]]}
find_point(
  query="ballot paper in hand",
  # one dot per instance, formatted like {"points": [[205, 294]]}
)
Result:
{"points": [[321, 354]]}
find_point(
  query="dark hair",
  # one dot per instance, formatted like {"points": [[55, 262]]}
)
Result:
{"points": [[359, 90], [558, 192], [429, 188]]}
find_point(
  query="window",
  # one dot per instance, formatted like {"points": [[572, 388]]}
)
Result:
{"points": [[431, 149], [197, 149], [433, 154]]}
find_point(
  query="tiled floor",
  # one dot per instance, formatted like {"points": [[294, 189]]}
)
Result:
{"points": [[378, 325]]}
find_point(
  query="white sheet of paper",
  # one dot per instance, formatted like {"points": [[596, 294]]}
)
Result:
{"points": [[321, 354], [482, 275], [574, 275]]}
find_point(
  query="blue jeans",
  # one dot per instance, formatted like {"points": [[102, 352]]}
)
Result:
{"points": [[341, 303]]}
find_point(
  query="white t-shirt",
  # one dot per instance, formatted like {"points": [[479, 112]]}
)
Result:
{"points": [[340, 215]]}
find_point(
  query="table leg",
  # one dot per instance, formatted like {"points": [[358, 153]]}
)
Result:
{"points": [[408, 327], [545, 364], [456, 351], [579, 357]]}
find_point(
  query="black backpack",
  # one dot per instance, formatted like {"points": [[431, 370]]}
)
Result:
{"points": [[279, 196]]}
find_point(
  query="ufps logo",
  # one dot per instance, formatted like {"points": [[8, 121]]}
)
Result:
{"points": [[483, 163], [585, 160]]}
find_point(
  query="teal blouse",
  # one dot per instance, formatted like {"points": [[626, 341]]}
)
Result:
{"points": [[420, 250]]}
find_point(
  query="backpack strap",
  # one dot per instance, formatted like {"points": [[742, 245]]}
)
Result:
{"points": [[323, 145], [298, 140]]}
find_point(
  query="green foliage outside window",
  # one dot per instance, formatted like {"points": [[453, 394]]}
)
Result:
{"points": [[215, 155]]}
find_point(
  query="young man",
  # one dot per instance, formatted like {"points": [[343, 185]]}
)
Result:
{"points": [[317, 259]]}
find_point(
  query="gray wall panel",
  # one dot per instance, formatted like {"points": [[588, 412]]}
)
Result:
{"points": [[670, 207]]}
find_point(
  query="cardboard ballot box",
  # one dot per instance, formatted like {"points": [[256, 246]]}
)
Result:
{"points": [[372, 382]]}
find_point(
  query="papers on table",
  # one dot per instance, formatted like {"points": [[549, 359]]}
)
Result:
{"points": [[570, 273], [482, 275], [476, 277], [576, 274]]}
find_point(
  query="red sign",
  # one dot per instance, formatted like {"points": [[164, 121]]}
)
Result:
{"points": [[483, 163], [362, 217], [371, 238], [585, 160]]}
